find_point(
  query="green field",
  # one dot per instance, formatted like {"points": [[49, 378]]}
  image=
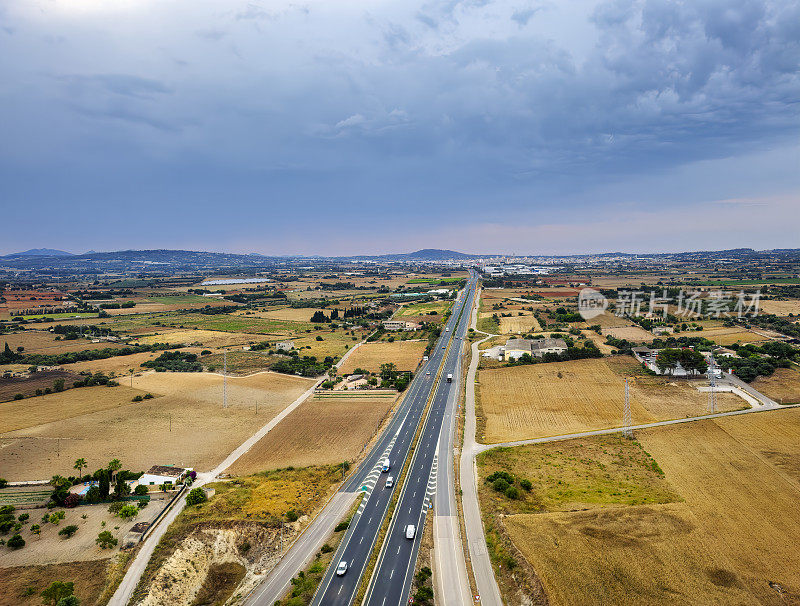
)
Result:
{"points": [[423, 309], [183, 299]]}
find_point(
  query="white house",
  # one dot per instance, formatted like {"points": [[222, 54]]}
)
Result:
{"points": [[400, 325], [284, 346], [163, 474]]}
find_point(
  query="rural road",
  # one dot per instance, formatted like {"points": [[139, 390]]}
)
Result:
{"points": [[485, 582], [134, 573]]}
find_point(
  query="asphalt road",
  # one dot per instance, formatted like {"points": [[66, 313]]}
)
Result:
{"points": [[395, 444], [391, 580]]}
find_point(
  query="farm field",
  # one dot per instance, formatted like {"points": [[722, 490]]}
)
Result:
{"points": [[293, 314], [406, 355], [783, 386], [424, 309], [748, 509], [726, 336], [118, 365], [779, 308], [39, 410], [43, 342], [326, 429], [635, 334], [523, 402], [519, 324], [206, 338], [90, 580], [40, 380], [184, 425], [701, 513]]}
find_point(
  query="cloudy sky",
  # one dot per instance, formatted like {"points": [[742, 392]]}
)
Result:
{"points": [[360, 126]]}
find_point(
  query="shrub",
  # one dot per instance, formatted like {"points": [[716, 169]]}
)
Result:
{"points": [[500, 485], [68, 531], [128, 511], [18, 396], [326, 548], [137, 399], [16, 542], [140, 490], [342, 526], [526, 484], [106, 540], [512, 492], [71, 500], [196, 496], [291, 515], [24, 517], [3, 482]]}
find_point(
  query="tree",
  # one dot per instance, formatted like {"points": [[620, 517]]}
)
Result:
{"points": [[114, 465], [80, 465], [128, 511], [16, 542], [103, 483], [57, 591], [70, 600], [196, 496], [68, 531], [122, 488], [106, 540], [141, 490], [36, 529], [667, 360], [58, 385]]}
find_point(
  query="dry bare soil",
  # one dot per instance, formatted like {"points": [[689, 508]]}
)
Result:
{"points": [[523, 402], [325, 429], [783, 385], [184, 425], [405, 355]]}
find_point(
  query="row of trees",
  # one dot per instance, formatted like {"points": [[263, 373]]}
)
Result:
{"points": [[692, 361]]}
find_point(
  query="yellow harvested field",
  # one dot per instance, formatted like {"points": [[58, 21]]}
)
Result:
{"points": [[118, 364], [747, 509], [726, 336], [608, 320], [325, 429], [184, 425], [524, 402], [783, 385], [43, 342], [40, 410], [634, 334], [780, 308], [205, 338], [773, 436], [406, 355], [519, 324], [644, 554]]}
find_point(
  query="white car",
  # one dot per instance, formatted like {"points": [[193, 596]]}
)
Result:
{"points": [[428, 374], [410, 531], [341, 569], [389, 482]]}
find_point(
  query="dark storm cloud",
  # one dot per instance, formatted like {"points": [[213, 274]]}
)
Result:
{"points": [[437, 106]]}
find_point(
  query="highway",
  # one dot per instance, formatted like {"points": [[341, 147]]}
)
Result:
{"points": [[395, 444], [391, 581]]}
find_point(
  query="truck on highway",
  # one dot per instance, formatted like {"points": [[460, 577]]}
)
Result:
{"points": [[449, 378], [385, 466]]}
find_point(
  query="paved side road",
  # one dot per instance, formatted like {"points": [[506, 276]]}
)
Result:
{"points": [[486, 584]]}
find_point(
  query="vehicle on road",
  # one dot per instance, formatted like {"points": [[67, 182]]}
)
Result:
{"points": [[443, 347], [411, 530], [449, 378], [386, 466], [341, 569], [428, 374], [389, 482]]}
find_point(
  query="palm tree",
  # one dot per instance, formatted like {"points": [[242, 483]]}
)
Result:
{"points": [[58, 481], [113, 465], [80, 464]]}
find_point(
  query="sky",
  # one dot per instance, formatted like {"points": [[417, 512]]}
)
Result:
{"points": [[340, 127]]}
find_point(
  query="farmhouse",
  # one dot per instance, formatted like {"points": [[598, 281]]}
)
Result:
{"points": [[516, 348], [163, 474], [284, 346]]}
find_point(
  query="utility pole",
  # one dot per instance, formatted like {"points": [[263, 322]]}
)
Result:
{"points": [[225, 379], [626, 415], [712, 396]]}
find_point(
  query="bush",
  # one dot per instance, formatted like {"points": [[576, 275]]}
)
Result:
{"points": [[205, 352], [512, 492], [71, 500], [3, 482], [106, 540], [196, 496], [68, 531], [18, 396], [128, 511], [137, 399], [326, 548], [342, 526], [140, 490], [24, 517], [291, 515], [526, 484], [16, 542], [500, 485]]}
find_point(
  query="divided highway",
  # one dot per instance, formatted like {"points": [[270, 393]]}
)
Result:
{"points": [[396, 563]]}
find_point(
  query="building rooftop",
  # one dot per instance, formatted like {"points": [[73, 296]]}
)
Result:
{"points": [[165, 470]]}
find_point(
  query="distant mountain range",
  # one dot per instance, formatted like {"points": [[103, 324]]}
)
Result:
{"points": [[40, 252]]}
